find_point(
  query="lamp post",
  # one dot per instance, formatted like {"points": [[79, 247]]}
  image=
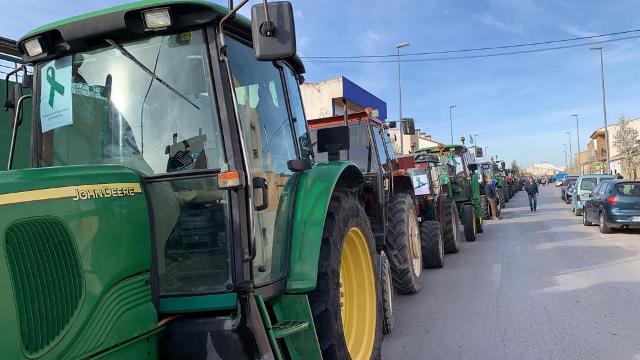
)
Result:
{"points": [[570, 149], [578, 138], [398, 47], [566, 165], [604, 107], [451, 120]]}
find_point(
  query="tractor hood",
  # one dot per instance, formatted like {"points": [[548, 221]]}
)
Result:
{"points": [[76, 255]]}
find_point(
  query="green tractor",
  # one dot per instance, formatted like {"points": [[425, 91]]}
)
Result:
{"points": [[172, 208], [490, 170], [457, 177]]}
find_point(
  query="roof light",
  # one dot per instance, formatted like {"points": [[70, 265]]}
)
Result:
{"points": [[156, 19], [33, 47]]}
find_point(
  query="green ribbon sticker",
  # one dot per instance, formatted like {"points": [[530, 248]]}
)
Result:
{"points": [[55, 87]]}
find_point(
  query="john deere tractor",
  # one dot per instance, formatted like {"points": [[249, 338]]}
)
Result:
{"points": [[172, 208], [458, 178], [490, 170]]}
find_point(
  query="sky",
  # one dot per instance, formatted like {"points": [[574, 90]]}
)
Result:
{"points": [[520, 105]]}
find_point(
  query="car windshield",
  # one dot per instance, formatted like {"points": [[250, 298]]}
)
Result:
{"points": [[629, 189], [100, 107]]}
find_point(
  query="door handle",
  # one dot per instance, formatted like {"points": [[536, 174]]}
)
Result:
{"points": [[261, 183]]}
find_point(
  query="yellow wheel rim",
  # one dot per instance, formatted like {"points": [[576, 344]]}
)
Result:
{"points": [[357, 295], [475, 231]]}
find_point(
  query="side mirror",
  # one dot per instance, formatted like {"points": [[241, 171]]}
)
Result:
{"points": [[408, 127], [332, 140], [479, 152], [273, 30], [473, 167], [391, 124], [13, 95]]}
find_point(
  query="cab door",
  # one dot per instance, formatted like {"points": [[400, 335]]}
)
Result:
{"points": [[269, 136]]}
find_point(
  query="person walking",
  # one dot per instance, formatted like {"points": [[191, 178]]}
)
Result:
{"points": [[492, 196], [532, 190]]}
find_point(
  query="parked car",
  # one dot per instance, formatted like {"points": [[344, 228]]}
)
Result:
{"points": [[585, 184], [614, 204], [565, 184], [571, 186]]}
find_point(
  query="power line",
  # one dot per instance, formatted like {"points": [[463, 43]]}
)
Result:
{"points": [[502, 47], [336, 61]]}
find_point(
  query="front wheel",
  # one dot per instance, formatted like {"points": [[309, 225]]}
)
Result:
{"points": [[432, 245], [403, 245], [501, 204], [469, 222], [346, 301], [486, 209]]}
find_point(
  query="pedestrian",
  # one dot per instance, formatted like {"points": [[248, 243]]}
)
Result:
{"points": [[532, 190], [619, 176], [492, 196]]}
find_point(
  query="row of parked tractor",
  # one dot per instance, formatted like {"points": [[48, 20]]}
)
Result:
{"points": [[604, 200]]}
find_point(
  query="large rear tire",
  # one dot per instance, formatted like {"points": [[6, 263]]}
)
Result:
{"points": [[450, 225], [403, 245], [469, 222], [604, 228], [486, 209], [346, 301], [432, 245], [386, 287]]}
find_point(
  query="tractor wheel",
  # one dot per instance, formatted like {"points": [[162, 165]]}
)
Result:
{"points": [[386, 288], [346, 301], [486, 209], [500, 198], [403, 245], [469, 222], [432, 245], [507, 196], [450, 228]]}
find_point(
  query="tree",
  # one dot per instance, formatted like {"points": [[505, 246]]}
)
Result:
{"points": [[627, 141]]}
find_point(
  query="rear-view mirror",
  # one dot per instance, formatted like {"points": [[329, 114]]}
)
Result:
{"points": [[273, 30], [479, 152], [391, 124], [13, 95], [332, 140], [408, 127]]}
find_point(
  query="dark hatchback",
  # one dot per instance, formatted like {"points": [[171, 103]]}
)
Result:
{"points": [[565, 184], [614, 204]]}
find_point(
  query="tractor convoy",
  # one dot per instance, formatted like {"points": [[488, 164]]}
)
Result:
{"points": [[177, 203]]}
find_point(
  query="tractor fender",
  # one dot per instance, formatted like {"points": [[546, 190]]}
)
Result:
{"points": [[313, 194]]}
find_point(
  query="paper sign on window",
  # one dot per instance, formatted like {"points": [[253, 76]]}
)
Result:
{"points": [[55, 94]]}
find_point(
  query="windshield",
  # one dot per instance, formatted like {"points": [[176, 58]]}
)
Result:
{"points": [[628, 189], [100, 107]]}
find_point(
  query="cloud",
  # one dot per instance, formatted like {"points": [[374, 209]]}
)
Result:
{"points": [[519, 5], [575, 31], [372, 35], [490, 20]]}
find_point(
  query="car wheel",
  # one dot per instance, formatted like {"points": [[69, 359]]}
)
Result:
{"points": [[584, 220], [604, 228]]}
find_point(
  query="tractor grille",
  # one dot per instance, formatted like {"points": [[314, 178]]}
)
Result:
{"points": [[47, 279]]}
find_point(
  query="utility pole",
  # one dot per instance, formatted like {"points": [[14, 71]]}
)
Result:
{"points": [[578, 138], [570, 149], [604, 107], [398, 47], [566, 165], [451, 120]]}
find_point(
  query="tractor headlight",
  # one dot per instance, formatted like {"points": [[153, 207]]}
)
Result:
{"points": [[156, 19], [33, 47]]}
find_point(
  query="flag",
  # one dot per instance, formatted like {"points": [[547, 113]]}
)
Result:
{"points": [[470, 139]]}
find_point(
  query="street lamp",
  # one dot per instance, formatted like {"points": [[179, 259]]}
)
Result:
{"points": [[398, 47], [570, 149], [451, 120], [578, 138], [604, 107]]}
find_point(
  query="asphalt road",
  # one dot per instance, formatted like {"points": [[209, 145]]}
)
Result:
{"points": [[533, 286]]}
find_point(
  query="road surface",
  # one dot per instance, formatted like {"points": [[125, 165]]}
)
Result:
{"points": [[533, 286]]}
